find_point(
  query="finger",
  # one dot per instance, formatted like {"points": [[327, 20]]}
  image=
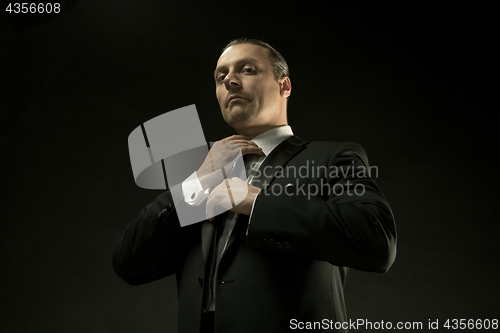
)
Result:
{"points": [[240, 190], [223, 145], [251, 150], [235, 146], [243, 143], [236, 137], [213, 200], [211, 161]]}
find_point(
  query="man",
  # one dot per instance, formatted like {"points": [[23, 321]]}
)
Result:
{"points": [[278, 260]]}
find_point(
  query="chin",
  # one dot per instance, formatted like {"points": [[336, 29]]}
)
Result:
{"points": [[238, 114]]}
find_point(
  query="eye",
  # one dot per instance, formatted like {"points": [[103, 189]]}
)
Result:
{"points": [[221, 77], [249, 70]]}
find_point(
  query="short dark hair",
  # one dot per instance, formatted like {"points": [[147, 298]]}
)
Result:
{"points": [[280, 67]]}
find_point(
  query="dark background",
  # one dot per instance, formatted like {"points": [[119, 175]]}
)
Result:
{"points": [[414, 85]]}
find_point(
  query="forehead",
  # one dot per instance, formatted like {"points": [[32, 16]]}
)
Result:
{"points": [[235, 53]]}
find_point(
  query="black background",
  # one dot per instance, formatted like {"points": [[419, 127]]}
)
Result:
{"points": [[413, 84]]}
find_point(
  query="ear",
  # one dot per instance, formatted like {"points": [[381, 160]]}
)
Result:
{"points": [[285, 87]]}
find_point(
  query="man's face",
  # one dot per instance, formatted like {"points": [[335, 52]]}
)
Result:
{"points": [[247, 91]]}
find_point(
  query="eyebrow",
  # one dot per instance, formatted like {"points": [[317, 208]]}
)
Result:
{"points": [[244, 60]]}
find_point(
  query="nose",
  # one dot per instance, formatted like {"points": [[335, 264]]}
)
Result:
{"points": [[231, 81]]}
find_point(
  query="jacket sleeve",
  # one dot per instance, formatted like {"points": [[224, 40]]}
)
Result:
{"points": [[152, 245], [347, 223]]}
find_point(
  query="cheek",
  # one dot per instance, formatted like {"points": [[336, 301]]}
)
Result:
{"points": [[218, 95], [266, 94]]}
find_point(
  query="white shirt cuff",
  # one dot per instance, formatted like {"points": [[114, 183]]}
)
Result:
{"points": [[192, 190]]}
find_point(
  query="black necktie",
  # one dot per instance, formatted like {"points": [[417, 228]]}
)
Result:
{"points": [[224, 227]]}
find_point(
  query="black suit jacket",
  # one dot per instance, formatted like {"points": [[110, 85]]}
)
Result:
{"points": [[306, 229]]}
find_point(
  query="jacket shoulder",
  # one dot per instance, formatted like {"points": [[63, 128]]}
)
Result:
{"points": [[340, 149]]}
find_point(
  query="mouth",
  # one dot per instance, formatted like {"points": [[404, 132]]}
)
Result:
{"points": [[235, 98]]}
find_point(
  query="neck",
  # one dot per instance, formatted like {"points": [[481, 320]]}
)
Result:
{"points": [[253, 131]]}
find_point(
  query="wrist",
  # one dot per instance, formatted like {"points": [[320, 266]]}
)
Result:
{"points": [[209, 180]]}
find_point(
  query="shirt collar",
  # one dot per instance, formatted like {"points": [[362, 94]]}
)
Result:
{"points": [[272, 138]]}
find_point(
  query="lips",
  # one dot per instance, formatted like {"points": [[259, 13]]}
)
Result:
{"points": [[234, 97]]}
